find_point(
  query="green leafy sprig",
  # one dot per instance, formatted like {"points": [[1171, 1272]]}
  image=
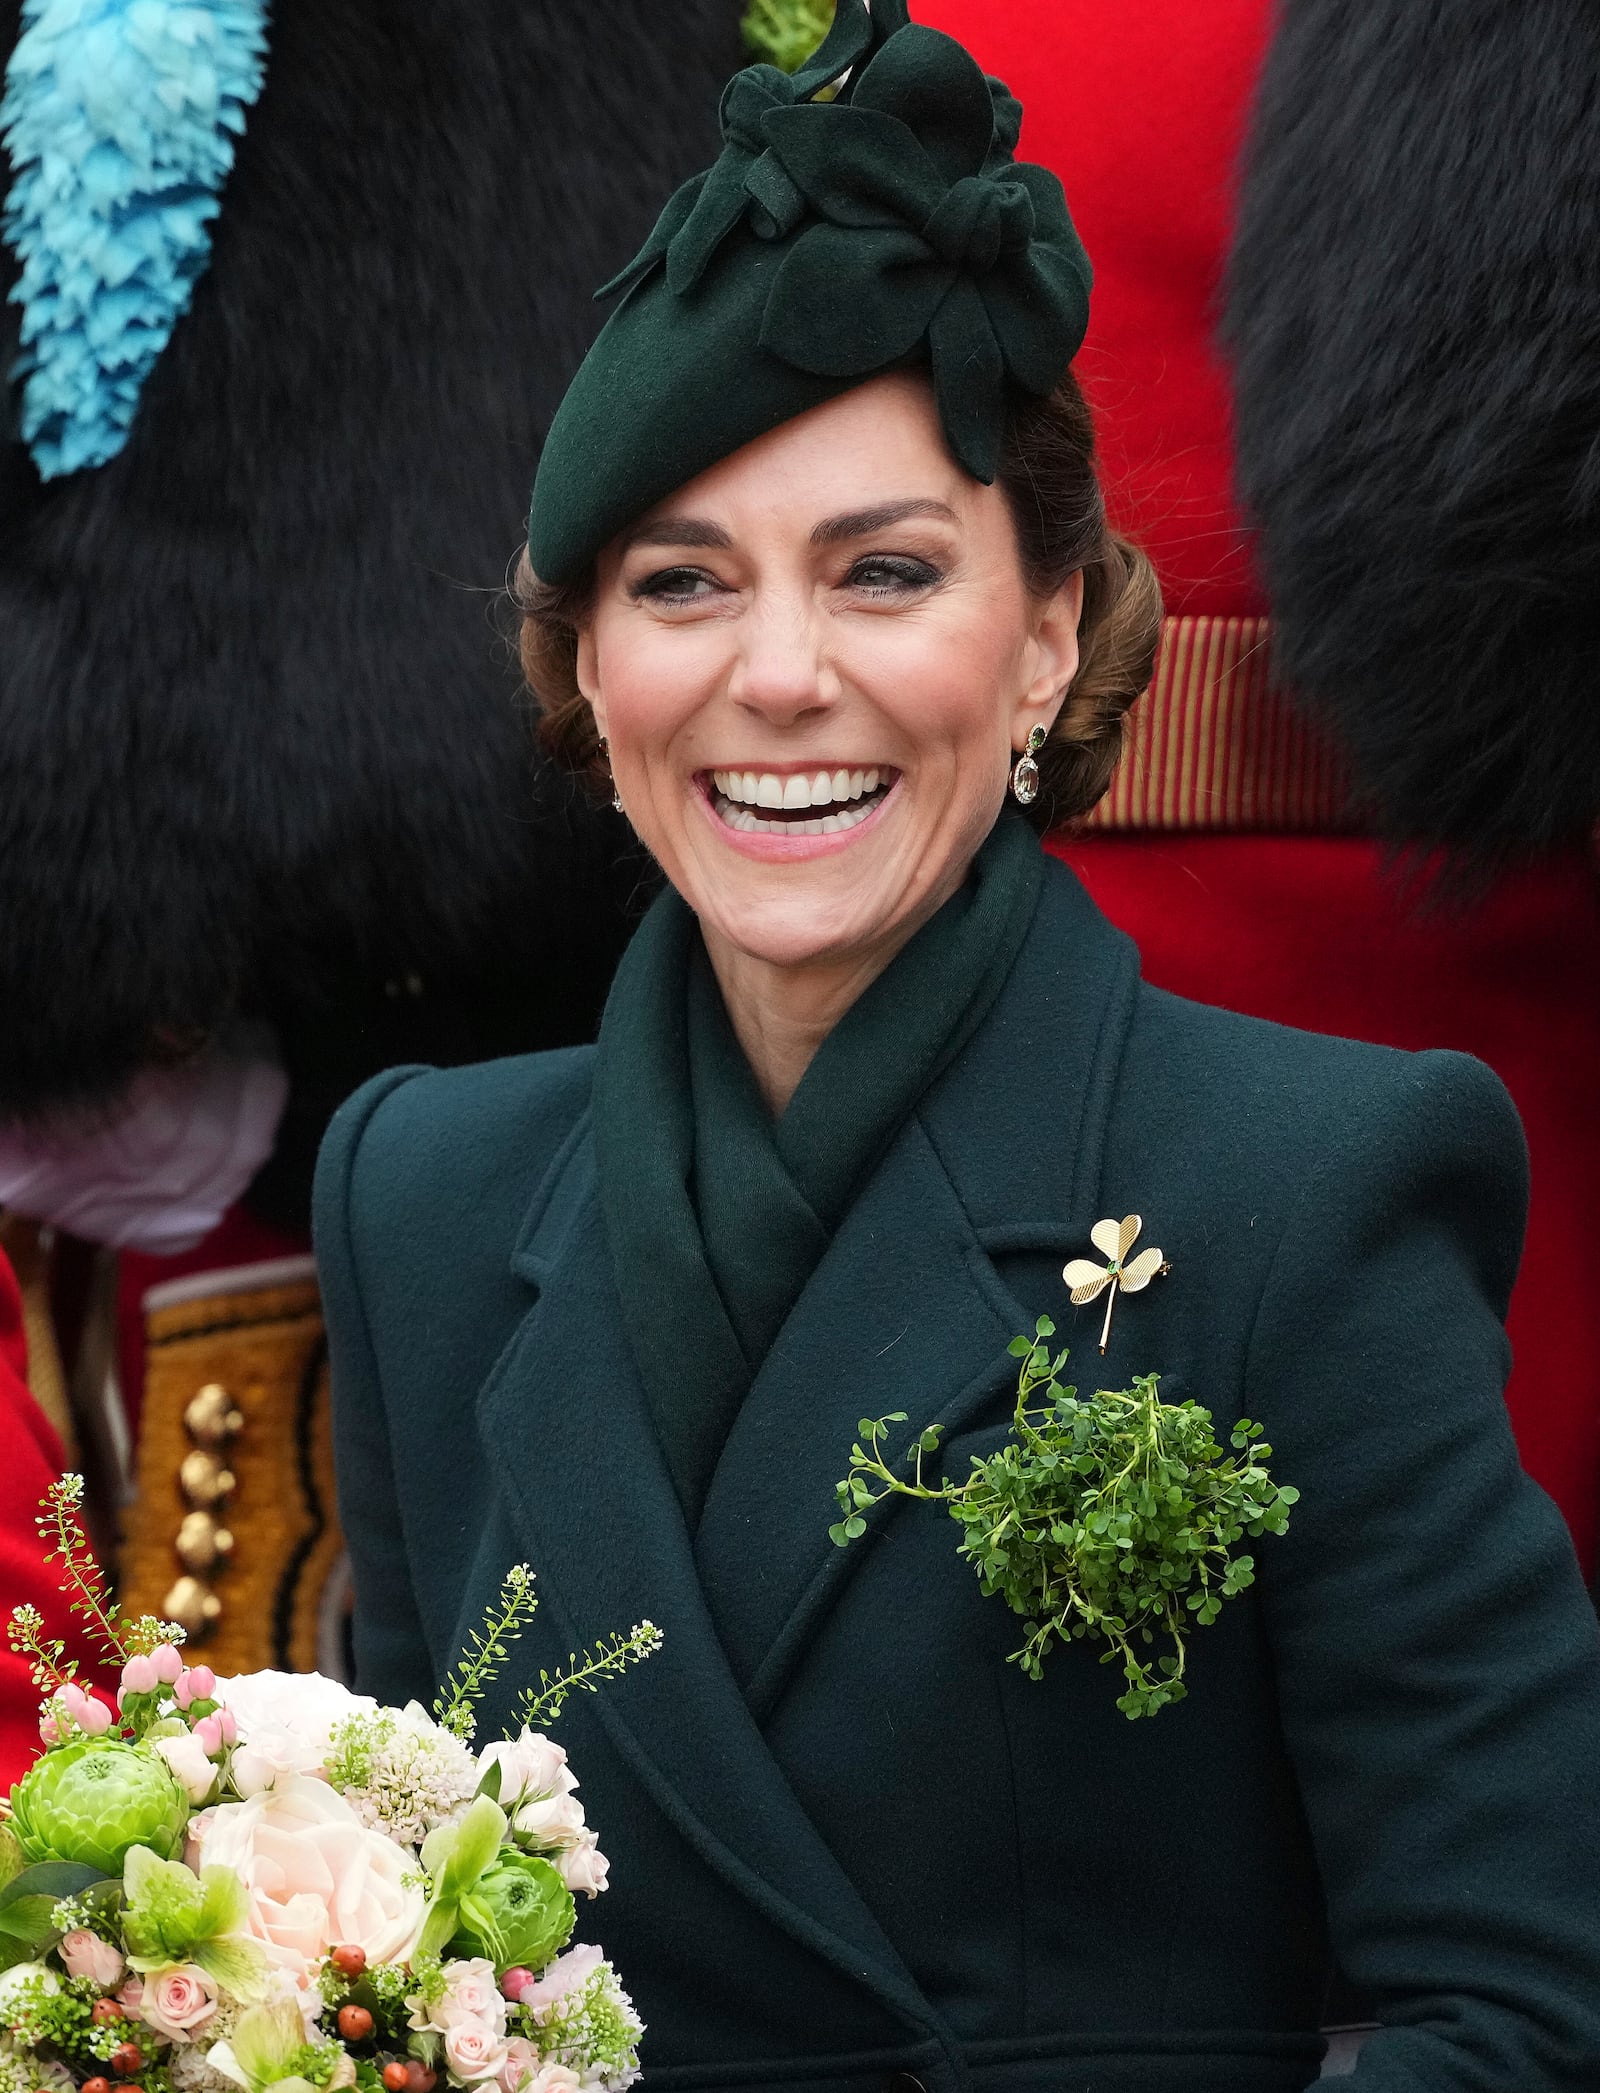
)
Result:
{"points": [[786, 32], [584, 1671], [1113, 1517], [481, 1660], [81, 1578]]}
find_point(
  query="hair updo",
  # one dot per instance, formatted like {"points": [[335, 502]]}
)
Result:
{"points": [[1047, 474]]}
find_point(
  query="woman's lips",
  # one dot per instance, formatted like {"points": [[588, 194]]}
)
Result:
{"points": [[795, 814]]}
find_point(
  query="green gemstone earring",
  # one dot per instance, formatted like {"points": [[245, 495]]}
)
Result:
{"points": [[1025, 776]]}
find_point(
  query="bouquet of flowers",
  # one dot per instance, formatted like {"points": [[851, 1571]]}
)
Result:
{"points": [[269, 1884]]}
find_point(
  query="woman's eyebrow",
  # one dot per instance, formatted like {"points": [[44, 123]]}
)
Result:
{"points": [[677, 530], [861, 523]]}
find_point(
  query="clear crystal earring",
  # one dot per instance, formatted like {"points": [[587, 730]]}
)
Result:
{"points": [[616, 796], [1025, 775]]}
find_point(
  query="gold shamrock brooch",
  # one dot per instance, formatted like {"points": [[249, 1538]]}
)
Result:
{"points": [[1122, 1274]]}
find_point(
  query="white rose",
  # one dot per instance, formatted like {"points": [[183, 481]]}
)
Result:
{"points": [[555, 2078], [315, 1876], [583, 1867], [186, 1755], [20, 1973], [473, 2051], [555, 1821], [531, 1769], [285, 1720]]}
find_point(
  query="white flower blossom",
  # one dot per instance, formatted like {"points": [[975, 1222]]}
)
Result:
{"points": [[400, 1772]]}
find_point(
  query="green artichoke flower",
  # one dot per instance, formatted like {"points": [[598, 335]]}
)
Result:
{"points": [[529, 1912], [93, 1799]]}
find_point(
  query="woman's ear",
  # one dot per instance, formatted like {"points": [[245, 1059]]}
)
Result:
{"points": [[1054, 651], [585, 669]]}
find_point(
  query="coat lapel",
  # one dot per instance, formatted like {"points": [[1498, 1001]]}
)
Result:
{"points": [[564, 1401], [907, 1311]]}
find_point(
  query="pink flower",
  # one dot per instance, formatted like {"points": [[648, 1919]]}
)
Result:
{"points": [[555, 2078], [522, 2061], [186, 1755], [470, 1994], [553, 1821], [49, 1728], [85, 1954], [179, 2002], [138, 1676], [568, 1973], [131, 1997], [82, 1709], [166, 1663], [208, 1733], [474, 2051], [315, 1875], [531, 1769], [199, 1683], [583, 1867]]}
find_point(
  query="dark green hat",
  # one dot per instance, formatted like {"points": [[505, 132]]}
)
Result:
{"points": [[834, 238]]}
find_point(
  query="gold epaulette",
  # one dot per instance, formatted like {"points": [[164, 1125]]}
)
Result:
{"points": [[1214, 744], [233, 1532]]}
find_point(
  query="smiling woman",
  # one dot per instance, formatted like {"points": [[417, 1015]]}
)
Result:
{"points": [[817, 571]]}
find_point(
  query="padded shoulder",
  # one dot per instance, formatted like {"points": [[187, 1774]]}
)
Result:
{"points": [[1269, 1109]]}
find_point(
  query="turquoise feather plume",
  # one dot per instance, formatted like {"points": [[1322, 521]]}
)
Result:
{"points": [[121, 119]]}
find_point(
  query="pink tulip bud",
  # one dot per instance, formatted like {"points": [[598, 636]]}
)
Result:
{"points": [[230, 1726], [512, 1982], [49, 1729], [208, 1734], [139, 1676], [166, 1662], [95, 1719]]}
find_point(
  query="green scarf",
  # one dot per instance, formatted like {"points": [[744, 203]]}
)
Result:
{"points": [[716, 1214]]}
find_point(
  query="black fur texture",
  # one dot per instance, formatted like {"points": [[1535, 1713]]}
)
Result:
{"points": [[1414, 317], [260, 745]]}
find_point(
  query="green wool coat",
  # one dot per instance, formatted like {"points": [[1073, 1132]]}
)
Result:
{"points": [[852, 1848]]}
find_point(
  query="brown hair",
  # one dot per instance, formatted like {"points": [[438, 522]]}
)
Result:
{"points": [[1047, 475]]}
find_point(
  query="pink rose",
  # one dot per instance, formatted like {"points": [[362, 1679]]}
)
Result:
{"points": [[315, 1875], [186, 1755], [531, 1768], [555, 2078], [583, 1867], [474, 2051], [179, 2002], [553, 1821], [568, 1973], [522, 2061], [131, 1997], [470, 1994], [85, 1954]]}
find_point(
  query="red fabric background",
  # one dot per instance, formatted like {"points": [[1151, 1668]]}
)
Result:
{"points": [[30, 1460], [1142, 112]]}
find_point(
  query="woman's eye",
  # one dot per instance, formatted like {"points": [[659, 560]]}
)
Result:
{"points": [[673, 585], [884, 574]]}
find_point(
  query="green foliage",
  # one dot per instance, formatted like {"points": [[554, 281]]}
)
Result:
{"points": [[173, 1915], [36, 1904], [532, 1911], [486, 1653], [456, 1857], [541, 1705], [1113, 1518], [786, 32]]}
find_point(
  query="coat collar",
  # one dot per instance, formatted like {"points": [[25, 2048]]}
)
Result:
{"points": [[906, 1312]]}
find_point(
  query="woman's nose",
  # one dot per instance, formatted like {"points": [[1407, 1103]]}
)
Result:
{"points": [[782, 670]]}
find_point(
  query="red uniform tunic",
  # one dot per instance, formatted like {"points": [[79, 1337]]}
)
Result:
{"points": [[30, 1460], [1142, 112]]}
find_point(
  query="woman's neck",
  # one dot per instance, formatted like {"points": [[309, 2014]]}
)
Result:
{"points": [[781, 1015]]}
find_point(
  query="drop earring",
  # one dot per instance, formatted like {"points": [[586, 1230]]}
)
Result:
{"points": [[616, 796], [1025, 774]]}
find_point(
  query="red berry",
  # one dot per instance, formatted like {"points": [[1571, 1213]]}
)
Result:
{"points": [[96, 2085], [126, 2059], [104, 2010], [396, 2077], [355, 2023], [349, 1962]]}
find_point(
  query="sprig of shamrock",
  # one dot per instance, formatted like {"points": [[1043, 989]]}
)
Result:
{"points": [[1111, 1518]]}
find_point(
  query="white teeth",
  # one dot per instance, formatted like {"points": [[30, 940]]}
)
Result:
{"points": [[796, 793], [821, 789], [769, 790], [841, 785]]}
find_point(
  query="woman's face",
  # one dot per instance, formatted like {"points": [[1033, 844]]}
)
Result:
{"points": [[814, 665]]}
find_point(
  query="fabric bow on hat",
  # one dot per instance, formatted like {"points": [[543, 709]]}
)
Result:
{"points": [[922, 228]]}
